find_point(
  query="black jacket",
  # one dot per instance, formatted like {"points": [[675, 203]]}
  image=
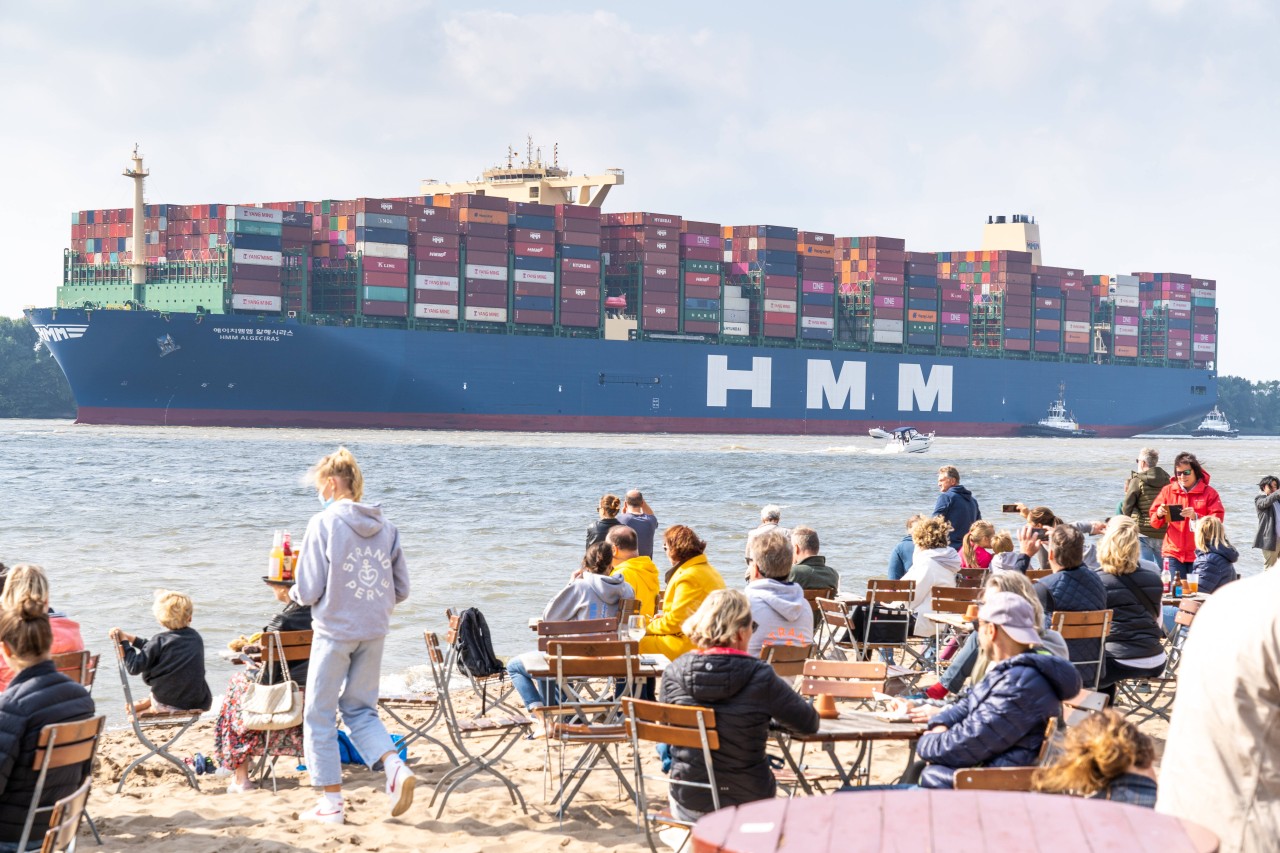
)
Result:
{"points": [[1135, 614], [745, 694], [172, 665], [1076, 590], [599, 530], [1265, 505], [294, 617], [38, 696]]}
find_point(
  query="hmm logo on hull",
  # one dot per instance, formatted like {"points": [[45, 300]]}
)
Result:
{"points": [[52, 334], [830, 385]]}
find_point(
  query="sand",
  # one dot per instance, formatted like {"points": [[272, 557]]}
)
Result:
{"points": [[158, 810]]}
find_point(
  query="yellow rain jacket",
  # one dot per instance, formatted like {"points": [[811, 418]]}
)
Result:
{"points": [[691, 583], [642, 574]]}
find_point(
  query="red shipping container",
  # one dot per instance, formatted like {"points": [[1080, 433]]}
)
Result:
{"points": [[1017, 345], [529, 235], [535, 318], [591, 293], [779, 318], [692, 292], [786, 293], [486, 300], [435, 268], [436, 297], [579, 266], [375, 308], [659, 324], [702, 279], [484, 230], [696, 254], [487, 259], [667, 300], [818, 311], [254, 272], [535, 288], [485, 244], [384, 279], [437, 241], [249, 287], [381, 205], [577, 238], [578, 211], [701, 327], [922, 292], [534, 250], [584, 278], [440, 256], [954, 340], [661, 285], [779, 331]]}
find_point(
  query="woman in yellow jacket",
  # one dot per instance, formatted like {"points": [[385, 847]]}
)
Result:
{"points": [[692, 580]]}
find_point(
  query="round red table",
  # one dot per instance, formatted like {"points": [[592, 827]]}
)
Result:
{"points": [[953, 821]]}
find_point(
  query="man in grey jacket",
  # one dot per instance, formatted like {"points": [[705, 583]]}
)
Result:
{"points": [[1268, 506], [351, 573], [778, 606]]}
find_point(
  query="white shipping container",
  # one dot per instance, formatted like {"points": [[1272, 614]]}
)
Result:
{"points": [[739, 329], [1074, 326], [817, 323], [436, 282], [732, 315], [382, 220], [245, 302], [1130, 331], [547, 276], [751, 243], [1197, 293], [487, 315], [1204, 347], [887, 325], [1126, 280], [1177, 304], [782, 306], [486, 272], [886, 337], [257, 257], [435, 312], [383, 250], [254, 214], [732, 291], [728, 259], [737, 303], [1127, 301]]}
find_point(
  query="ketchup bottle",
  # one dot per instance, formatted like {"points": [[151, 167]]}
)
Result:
{"points": [[287, 559]]}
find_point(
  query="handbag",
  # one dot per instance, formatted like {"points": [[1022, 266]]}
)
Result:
{"points": [[271, 707]]}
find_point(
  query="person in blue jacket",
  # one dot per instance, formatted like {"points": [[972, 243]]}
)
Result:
{"points": [[1001, 721], [903, 553], [956, 504]]}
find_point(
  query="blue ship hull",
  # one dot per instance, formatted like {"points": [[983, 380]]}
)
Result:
{"points": [[143, 367]]}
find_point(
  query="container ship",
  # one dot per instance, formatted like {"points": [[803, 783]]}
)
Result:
{"points": [[514, 302]]}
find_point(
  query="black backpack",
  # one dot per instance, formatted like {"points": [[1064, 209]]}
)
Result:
{"points": [[475, 646]]}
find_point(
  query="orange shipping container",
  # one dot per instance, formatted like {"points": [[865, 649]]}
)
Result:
{"points": [[1127, 352], [1076, 337], [922, 316], [487, 217], [816, 250]]}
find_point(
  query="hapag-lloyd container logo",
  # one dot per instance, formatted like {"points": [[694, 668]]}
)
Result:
{"points": [[53, 334]]}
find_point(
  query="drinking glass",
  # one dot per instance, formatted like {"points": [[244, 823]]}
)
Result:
{"points": [[636, 626]]}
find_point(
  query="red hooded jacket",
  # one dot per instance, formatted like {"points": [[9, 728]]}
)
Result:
{"points": [[1180, 541]]}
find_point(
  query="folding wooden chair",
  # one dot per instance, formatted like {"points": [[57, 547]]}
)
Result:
{"points": [[856, 680], [687, 726], [81, 667], [972, 578], [1074, 711], [836, 633], [1152, 697], [61, 745], [401, 705], [955, 600], [1034, 575], [64, 820], [480, 684], [812, 596], [1086, 625], [787, 661], [505, 732], [280, 649], [142, 721], [994, 778], [583, 630], [593, 718], [892, 628]]}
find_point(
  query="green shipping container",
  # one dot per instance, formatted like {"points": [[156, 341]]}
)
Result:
{"points": [[702, 315], [265, 229], [925, 328], [387, 294], [702, 266]]}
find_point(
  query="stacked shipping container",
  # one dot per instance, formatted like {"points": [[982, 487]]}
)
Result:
{"points": [[816, 269], [532, 235], [578, 241], [643, 252], [701, 250], [436, 263]]}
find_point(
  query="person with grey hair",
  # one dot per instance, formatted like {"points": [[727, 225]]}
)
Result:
{"points": [[770, 519], [778, 606], [1139, 493]]}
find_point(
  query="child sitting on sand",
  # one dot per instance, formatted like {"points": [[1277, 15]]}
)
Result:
{"points": [[170, 663]]}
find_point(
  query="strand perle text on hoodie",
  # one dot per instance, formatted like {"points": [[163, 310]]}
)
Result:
{"points": [[372, 573]]}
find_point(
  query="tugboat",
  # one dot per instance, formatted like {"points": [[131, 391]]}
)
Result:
{"points": [[1058, 423], [1215, 425]]}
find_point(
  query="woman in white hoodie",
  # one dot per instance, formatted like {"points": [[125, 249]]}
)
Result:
{"points": [[592, 593], [934, 563]]}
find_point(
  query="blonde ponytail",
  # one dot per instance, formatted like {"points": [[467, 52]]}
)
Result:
{"points": [[340, 464]]}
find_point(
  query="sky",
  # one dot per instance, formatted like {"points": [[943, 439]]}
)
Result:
{"points": [[1142, 134]]}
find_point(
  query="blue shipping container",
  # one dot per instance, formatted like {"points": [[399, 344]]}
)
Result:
{"points": [[1050, 336], [382, 235], [954, 329], [818, 334], [921, 338], [580, 253], [922, 281], [780, 232], [539, 264], [535, 303], [779, 268], [828, 299], [1017, 334], [702, 304], [253, 241], [1048, 313], [527, 220], [922, 304]]}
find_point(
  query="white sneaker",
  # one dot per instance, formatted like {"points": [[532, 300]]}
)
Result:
{"points": [[400, 785], [234, 787], [325, 811]]}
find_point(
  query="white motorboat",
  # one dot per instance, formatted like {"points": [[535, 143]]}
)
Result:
{"points": [[1215, 425], [876, 432], [908, 440]]}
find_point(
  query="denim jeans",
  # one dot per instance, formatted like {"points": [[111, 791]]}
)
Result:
{"points": [[1150, 548], [531, 693], [1177, 568], [961, 664], [343, 676]]}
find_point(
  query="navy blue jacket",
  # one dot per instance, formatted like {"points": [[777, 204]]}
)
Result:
{"points": [[1216, 567], [1001, 721], [900, 559], [38, 696], [1075, 590], [958, 506]]}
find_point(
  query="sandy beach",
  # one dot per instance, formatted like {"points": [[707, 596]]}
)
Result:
{"points": [[157, 807]]}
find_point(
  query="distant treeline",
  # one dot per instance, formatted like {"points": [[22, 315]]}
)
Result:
{"points": [[32, 386], [31, 383]]}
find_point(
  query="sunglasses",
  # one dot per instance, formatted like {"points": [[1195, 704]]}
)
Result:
{"points": [[1184, 472], [755, 626]]}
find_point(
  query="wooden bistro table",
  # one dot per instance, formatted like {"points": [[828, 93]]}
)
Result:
{"points": [[861, 727], [863, 821]]}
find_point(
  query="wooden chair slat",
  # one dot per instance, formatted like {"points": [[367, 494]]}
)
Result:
{"points": [[865, 670], [840, 689], [674, 735], [995, 778], [673, 715]]}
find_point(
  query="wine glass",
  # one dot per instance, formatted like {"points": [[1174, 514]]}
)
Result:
{"points": [[636, 627]]}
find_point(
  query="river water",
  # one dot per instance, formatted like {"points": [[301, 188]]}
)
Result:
{"points": [[497, 520]]}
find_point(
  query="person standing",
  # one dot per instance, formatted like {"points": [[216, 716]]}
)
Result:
{"points": [[956, 504], [637, 514], [1268, 506], [1220, 766], [608, 511], [1194, 498], [1140, 493], [351, 573]]}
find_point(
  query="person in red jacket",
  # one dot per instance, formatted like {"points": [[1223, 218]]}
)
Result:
{"points": [[1189, 490]]}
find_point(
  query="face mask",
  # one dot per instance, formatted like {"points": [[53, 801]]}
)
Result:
{"points": [[324, 502]]}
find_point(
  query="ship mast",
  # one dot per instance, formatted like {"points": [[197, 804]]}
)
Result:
{"points": [[138, 262]]}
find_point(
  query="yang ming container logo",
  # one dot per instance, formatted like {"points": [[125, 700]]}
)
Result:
{"points": [[51, 334]]}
